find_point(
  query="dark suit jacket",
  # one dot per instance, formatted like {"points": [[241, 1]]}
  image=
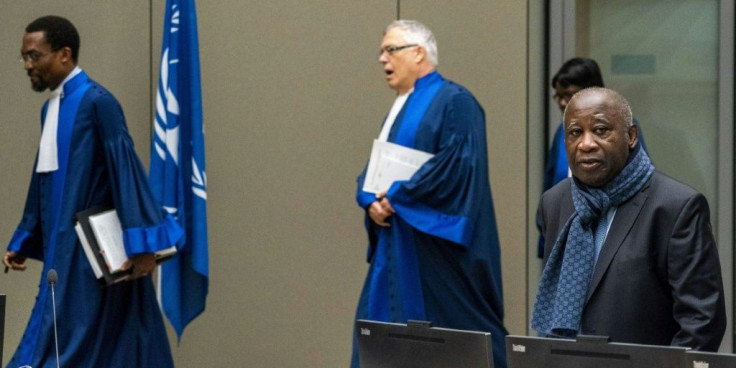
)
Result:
{"points": [[658, 277]]}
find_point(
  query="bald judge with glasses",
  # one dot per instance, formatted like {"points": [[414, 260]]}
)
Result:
{"points": [[433, 243]]}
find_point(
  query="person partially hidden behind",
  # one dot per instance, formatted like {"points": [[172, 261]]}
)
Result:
{"points": [[434, 252], [86, 159], [629, 252], [574, 75]]}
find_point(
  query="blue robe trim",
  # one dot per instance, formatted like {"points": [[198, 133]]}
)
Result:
{"points": [[74, 89], [444, 226], [365, 199], [140, 240], [557, 168], [116, 326], [424, 91], [394, 298], [19, 238], [396, 249], [456, 229]]}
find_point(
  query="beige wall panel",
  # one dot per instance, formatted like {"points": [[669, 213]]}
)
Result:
{"points": [[482, 45], [293, 96], [115, 52], [538, 93]]}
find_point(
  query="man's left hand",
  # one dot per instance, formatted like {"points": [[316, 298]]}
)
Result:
{"points": [[141, 265]]}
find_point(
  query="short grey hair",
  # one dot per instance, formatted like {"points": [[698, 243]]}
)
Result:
{"points": [[417, 33], [620, 103]]}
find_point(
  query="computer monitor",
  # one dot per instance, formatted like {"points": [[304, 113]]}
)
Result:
{"points": [[2, 325], [417, 345], [699, 359], [588, 352]]}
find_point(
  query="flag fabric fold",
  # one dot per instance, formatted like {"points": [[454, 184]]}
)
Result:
{"points": [[177, 172]]}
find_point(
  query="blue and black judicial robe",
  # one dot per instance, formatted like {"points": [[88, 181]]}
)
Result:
{"points": [[440, 259], [557, 169], [114, 326]]}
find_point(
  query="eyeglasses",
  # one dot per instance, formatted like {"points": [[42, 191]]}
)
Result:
{"points": [[33, 56], [391, 49], [566, 93], [564, 96]]}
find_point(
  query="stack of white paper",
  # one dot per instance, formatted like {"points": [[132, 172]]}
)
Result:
{"points": [[391, 162]]}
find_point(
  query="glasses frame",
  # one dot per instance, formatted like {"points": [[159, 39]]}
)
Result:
{"points": [[389, 50], [565, 96], [34, 56]]}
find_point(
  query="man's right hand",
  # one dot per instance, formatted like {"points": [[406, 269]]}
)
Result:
{"points": [[380, 211], [14, 261]]}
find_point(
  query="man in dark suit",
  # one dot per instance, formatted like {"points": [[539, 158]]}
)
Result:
{"points": [[629, 252]]}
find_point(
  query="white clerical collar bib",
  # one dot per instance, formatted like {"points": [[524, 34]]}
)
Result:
{"points": [[48, 153], [398, 104]]}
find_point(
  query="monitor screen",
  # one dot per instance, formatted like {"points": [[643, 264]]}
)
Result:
{"points": [[2, 325], [699, 359], [416, 344], [588, 352]]}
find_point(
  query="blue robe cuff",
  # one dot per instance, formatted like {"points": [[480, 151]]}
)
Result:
{"points": [[19, 237], [365, 199], [22, 243], [139, 240], [456, 229]]}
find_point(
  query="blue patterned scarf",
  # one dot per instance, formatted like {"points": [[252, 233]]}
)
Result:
{"points": [[566, 278]]}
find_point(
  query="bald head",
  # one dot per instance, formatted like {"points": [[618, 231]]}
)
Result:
{"points": [[618, 102]]}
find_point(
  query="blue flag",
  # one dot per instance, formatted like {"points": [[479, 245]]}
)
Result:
{"points": [[177, 174]]}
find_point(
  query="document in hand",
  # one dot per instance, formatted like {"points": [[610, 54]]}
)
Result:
{"points": [[391, 162], [101, 234]]}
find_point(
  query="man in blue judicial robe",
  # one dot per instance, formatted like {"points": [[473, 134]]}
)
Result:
{"points": [[86, 159], [434, 252]]}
